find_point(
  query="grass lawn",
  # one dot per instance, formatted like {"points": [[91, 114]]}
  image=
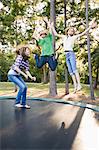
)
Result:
{"points": [[8, 86], [42, 90]]}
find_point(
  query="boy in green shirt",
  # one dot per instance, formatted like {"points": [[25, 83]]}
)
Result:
{"points": [[44, 40]]}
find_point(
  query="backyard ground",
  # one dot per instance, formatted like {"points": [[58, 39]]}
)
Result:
{"points": [[42, 91]]}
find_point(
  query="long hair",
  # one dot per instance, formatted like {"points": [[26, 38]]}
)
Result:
{"points": [[21, 51]]}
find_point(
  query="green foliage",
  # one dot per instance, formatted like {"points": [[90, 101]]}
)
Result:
{"points": [[9, 33], [5, 63]]}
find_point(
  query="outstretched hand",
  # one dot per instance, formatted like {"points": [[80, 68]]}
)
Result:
{"points": [[93, 23], [47, 21]]}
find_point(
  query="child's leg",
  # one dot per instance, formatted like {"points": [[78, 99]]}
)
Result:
{"points": [[18, 82], [24, 89], [40, 61], [74, 82], [74, 68], [52, 62], [69, 65], [78, 81], [24, 93], [72, 59]]}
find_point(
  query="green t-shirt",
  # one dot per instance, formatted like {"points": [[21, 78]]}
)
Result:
{"points": [[46, 45]]}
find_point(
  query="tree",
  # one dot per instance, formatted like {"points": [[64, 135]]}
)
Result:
{"points": [[66, 72], [89, 56], [53, 86], [29, 13]]}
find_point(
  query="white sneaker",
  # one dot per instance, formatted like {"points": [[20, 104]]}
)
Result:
{"points": [[18, 105], [26, 106]]}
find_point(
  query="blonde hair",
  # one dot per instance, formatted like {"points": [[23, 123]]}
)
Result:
{"points": [[66, 30]]}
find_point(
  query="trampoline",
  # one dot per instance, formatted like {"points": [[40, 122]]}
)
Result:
{"points": [[46, 126]]}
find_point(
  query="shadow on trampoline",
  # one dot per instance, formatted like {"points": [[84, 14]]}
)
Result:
{"points": [[32, 129], [66, 137]]}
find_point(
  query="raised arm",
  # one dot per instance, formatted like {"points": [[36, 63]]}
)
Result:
{"points": [[51, 28], [48, 24], [54, 31], [36, 36], [91, 25]]}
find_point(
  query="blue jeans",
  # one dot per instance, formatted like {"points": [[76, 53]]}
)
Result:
{"points": [[17, 79], [71, 62], [52, 62]]}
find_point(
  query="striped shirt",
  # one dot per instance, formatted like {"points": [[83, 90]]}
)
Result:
{"points": [[20, 63]]}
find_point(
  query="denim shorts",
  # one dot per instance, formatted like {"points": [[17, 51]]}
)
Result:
{"points": [[71, 62]]}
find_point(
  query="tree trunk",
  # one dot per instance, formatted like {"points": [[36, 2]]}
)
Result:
{"points": [[66, 81], [53, 86], [89, 55], [96, 79], [66, 72]]}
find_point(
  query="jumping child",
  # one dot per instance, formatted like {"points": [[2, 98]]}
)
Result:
{"points": [[44, 40], [68, 42], [14, 75]]}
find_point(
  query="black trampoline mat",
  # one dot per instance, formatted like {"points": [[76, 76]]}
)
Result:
{"points": [[46, 126]]}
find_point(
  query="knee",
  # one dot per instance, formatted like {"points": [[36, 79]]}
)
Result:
{"points": [[53, 66], [24, 88]]}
